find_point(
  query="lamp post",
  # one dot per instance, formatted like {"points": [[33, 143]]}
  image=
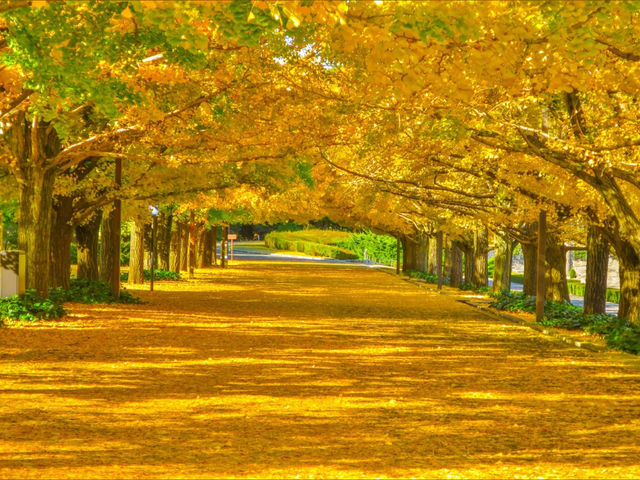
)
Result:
{"points": [[154, 227]]}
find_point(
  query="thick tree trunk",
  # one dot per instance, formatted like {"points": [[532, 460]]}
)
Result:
{"points": [[595, 295], [421, 252], [184, 246], [480, 248], [34, 227], [136, 254], [163, 240], [61, 236], [456, 265], [430, 245], [223, 246], [530, 255], [556, 270], [502, 263], [201, 247], [87, 238], [174, 255], [629, 307], [32, 142]]}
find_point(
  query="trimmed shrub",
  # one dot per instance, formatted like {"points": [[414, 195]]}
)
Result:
{"points": [[572, 273]]}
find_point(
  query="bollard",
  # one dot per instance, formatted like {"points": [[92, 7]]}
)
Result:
{"points": [[12, 273]]}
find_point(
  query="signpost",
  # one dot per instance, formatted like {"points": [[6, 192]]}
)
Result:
{"points": [[154, 227], [231, 237]]}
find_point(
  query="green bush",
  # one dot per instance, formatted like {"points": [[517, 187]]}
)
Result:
{"points": [[157, 275], [301, 241], [30, 306], [379, 248], [572, 273], [86, 291], [618, 333]]}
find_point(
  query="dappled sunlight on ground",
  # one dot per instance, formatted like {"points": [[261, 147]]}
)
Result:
{"points": [[284, 369]]}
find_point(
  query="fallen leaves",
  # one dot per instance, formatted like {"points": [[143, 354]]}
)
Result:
{"points": [[284, 370]]}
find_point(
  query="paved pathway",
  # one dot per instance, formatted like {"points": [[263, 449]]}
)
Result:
{"points": [[287, 369]]}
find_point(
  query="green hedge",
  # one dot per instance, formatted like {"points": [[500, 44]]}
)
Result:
{"points": [[287, 241], [578, 288]]}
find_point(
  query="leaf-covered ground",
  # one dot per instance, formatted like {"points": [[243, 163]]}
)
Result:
{"points": [[286, 370]]}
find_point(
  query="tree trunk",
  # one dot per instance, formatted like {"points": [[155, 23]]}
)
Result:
{"points": [[595, 295], [530, 255], [136, 254], [421, 252], [109, 250], [447, 246], [415, 254], [556, 270], [201, 247], [456, 265], [629, 307], [223, 246], [34, 227], [32, 142], [209, 245], [502, 263], [480, 248], [191, 263], [62, 234], [430, 246], [469, 264], [184, 246], [110, 240], [163, 240], [174, 255], [405, 255], [87, 238], [214, 239]]}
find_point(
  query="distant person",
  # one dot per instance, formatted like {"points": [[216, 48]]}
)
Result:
{"points": [[256, 236]]}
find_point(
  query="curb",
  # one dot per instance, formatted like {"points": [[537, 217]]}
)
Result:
{"points": [[592, 347]]}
